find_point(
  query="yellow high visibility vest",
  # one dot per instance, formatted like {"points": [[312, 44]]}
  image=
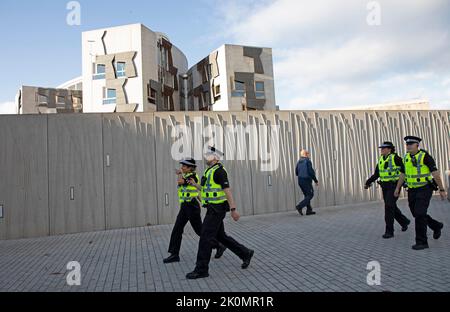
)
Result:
{"points": [[187, 193], [389, 172], [418, 174], [212, 193]]}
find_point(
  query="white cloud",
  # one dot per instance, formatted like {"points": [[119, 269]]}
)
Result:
{"points": [[7, 108], [326, 55]]}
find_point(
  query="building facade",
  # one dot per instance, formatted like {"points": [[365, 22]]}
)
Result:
{"points": [[133, 69], [37, 100], [232, 78], [130, 69]]}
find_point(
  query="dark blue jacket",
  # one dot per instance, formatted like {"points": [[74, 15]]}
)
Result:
{"points": [[305, 171]]}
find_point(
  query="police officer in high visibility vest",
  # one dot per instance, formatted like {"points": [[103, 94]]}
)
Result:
{"points": [[218, 200], [388, 172], [189, 211], [422, 178]]}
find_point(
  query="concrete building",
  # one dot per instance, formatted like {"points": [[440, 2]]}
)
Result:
{"points": [[130, 69], [232, 78], [37, 100], [133, 69]]}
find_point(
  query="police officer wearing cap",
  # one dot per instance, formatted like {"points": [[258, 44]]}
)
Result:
{"points": [[422, 178], [388, 172], [189, 210], [218, 200]]}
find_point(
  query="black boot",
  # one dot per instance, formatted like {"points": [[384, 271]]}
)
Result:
{"points": [[194, 275], [438, 232], [388, 235], [299, 210], [420, 246], [220, 250], [172, 258], [405, 226], [247, 260]]}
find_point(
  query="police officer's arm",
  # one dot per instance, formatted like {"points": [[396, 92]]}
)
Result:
{"points": [[373, 178], [430, 163], [221, 177], [400, 182]]}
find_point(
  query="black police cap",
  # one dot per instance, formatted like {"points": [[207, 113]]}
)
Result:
{"points": [[188, 162], [387, 144], [412, 139]]}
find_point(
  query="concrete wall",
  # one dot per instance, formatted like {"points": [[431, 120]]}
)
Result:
{"points": [[75, 173]]}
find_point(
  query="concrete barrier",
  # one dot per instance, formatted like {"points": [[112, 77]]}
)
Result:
{"points": [[85, 172]]}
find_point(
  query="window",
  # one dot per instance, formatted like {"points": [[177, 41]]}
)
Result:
{"points": [[217, 93], [120, 69], [151, 95], [260, 90], [42, 99], [109, 96], [239, 89], [61, 100], [99, 71]]}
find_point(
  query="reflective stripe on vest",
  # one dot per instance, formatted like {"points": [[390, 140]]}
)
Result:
{"points": [[187, 193], [391, 172], [212, 193], [416, 175]]}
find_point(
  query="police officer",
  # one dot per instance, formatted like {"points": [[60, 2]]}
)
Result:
{"points": [[217, 198], [388, 171], [189, 211], [422, 178]]}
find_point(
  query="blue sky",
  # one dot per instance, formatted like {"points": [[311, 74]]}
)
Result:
{"points": [[326, 55]]}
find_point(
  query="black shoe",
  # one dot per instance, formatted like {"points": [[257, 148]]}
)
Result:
{"points": [[310, 213], [246, 262], [437, 233], [195, 275], [420, 246], [405, 227], [388, 235], [299, 210], [172, 258], [220, 250]]}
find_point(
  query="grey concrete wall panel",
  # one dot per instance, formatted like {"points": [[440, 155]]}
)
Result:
{"points": [[130, 170], [239, 170], [165, 123], [57, 173], [255, 54], [23, 176], [273, 173], [76, 199]]}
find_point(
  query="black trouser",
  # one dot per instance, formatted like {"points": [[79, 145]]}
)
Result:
{"points": [[213, 227], [391, 211], [419, 200], [308, 191], [189, 211]]}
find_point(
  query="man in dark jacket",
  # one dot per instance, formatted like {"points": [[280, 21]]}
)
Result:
{"points": [[306, 174]]}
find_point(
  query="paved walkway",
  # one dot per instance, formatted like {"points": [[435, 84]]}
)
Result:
{"points": [[325, 252]]}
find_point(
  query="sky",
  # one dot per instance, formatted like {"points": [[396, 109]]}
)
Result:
{"points": [[327, 54]]}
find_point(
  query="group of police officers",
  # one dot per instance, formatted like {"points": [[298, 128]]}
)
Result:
{"points": [[417, 172]]}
